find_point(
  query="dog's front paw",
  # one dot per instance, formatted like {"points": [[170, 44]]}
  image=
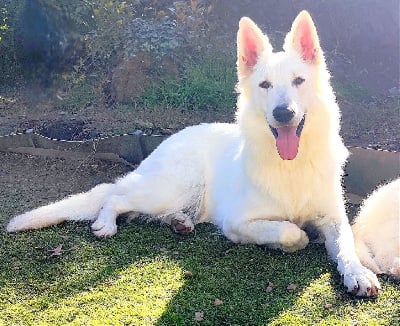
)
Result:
{"points": [[361, 281], [293, 239], [104, 229]]}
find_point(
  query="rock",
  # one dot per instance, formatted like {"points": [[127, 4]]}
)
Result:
{"points": [[129, 78]]}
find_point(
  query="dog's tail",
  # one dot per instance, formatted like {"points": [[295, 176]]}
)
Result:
{"points": [[80, 207]]}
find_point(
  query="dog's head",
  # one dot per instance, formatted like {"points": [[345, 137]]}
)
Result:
{"points": [[281, 84]]}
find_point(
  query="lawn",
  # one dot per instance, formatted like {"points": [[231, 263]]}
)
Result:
{"points": [[147, 275]]}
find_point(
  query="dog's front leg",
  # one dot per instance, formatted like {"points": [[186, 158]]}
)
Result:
{"points": [[105, 226], [106, 223], [282, 235], [339, 243]]}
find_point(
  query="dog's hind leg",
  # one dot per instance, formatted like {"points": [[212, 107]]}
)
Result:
{"points": [[147, 194], [105, 225], [282, 235]]}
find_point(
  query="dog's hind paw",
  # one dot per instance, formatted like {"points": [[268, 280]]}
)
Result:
{"points": [[104, 230], [362, 282], [182, 223]]}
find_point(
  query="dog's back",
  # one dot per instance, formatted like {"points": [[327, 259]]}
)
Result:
{"points": [[377, 230]]}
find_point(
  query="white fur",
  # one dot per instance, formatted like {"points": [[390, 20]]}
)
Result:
{"points": [[377, 230], [232, 174]]}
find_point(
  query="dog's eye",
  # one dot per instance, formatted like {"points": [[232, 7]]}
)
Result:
{"points": [[265, 84], [298, 81]]}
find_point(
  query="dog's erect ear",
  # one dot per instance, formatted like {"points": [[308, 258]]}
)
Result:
{"points": [[303, 38], [251, 42]]}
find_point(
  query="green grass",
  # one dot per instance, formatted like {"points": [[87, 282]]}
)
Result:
{"points": [[351, 91], [139, 277], [206, 84]]}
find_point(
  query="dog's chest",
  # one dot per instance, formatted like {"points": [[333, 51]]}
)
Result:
{"points": [[291, 195], [290, 205]]}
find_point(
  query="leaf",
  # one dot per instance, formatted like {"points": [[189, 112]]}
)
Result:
{"points": [[269, 287], [292, 287], [198, 316], [188, 274], [57, 251], [218, 302]]}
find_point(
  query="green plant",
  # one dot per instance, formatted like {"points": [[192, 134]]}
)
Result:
{"points": [[79, 95], [160, 31], [351, 91], [206, 84]]}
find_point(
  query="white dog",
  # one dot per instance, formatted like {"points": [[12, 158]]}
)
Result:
{"points": [[262, 180], [377, 230]]}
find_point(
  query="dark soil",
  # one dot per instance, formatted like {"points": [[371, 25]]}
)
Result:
{"points": [[28, 181], [21, 110], [371, 122]]}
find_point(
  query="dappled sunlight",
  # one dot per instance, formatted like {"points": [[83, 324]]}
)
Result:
{"points": [[139, 278], [319, 292], [320, 304], [136, 295]]}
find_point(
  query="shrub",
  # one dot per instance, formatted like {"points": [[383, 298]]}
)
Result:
{"points": [[9, 66], [80, 94]]}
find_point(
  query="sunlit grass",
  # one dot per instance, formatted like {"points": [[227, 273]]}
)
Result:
{"points": [[82, 284], [321, 304], [137, 295], [140, 277]]}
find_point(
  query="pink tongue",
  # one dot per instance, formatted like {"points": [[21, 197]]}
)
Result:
{"points": [[287, 142]]}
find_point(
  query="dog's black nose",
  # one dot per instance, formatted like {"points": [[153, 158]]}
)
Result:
{"points": [[283, 113]]}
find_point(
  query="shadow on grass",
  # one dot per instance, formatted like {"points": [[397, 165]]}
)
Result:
{"points": [[238, 275], [250, 282]]}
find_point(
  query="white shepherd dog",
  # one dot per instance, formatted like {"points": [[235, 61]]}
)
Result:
{"points": [[377, 230], [261, 180]]}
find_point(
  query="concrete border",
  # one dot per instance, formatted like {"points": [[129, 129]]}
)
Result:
{"points": [[132, 148]]}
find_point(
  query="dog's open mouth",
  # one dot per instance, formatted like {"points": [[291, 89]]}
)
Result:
{"points": [[288, 139]]}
